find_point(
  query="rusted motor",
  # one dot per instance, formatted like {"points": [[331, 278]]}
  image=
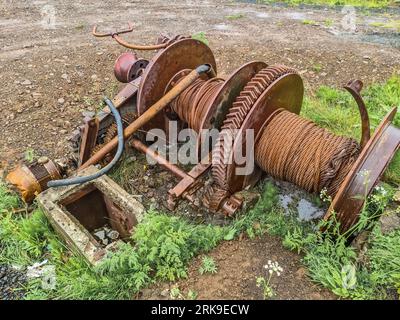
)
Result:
{"points": [[30, 180]]}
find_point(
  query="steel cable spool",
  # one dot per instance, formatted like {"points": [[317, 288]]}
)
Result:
{"points": [[294, 149], [192, 105]]}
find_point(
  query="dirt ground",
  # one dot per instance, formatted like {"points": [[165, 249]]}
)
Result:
{"points": [[239, 263], [49, 77]]}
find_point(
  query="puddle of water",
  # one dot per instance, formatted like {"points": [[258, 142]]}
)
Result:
{"points": [[285, 201], [295, 15], [307, 211], [222, 26], [388, 39], [262, 15]]}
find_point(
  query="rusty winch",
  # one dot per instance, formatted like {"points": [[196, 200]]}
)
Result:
{"points": [[180, 83]]}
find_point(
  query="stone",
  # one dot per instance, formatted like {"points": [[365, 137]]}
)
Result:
{"points": [[389, 221], [61, 100], [113, 234], [101, 234], [26, 83], [165, 293], [43, 160]]}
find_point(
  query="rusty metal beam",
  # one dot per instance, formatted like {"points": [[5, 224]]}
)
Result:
{"points": [[89, 138]]}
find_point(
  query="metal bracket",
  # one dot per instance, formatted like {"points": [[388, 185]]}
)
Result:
{"points": [[355, 87]]}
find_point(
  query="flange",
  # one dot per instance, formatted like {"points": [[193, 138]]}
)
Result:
{"points": [[183, 54], [271, 89], [277, 96], [365, 173], [226, 95]]}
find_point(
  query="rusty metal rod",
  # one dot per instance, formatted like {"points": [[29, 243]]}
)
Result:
{"points": [[125, 44], [148, 115], [138, 145], [122, 42]]}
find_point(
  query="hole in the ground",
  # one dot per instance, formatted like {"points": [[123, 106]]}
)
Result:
{"points": [[98, 214]]}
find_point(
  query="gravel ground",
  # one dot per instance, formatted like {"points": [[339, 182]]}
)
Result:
{"points": [[11, 281]]}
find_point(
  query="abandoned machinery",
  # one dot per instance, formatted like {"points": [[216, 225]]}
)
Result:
{"points": [[180, 83]]}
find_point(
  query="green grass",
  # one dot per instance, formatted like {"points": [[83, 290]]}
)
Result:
{"points": [[235, 16], [160, 249], [328, 23], [201, 36], [356, 3], [309, 22], [393, 24], [163, 246]]}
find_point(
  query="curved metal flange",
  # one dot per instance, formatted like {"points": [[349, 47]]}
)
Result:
{"points": [[365, 173], [227, 93], [225, 96], [183, 54], [284, 93], [354, 87]]}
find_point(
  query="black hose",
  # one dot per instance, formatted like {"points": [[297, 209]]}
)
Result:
{"points": [[80, 180]]}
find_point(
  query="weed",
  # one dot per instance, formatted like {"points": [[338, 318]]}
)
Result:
{"points": [[309, 22], [264, 282], [329, 259], [392, 24], [317, 67], [192, 295], [175, 293], [30, 155], [235, 16], [358, 3], [80, 26], [163, 247], [88, 101], [328, 23], [8, 200], [208, 265], [201, 36]]}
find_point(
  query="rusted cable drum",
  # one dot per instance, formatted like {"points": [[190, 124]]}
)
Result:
{"points": [[183, 54], [271, 88], [297, 150]]}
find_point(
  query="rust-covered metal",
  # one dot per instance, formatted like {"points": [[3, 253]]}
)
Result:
{"points": [[355, 87], [116, 35], [249, 111], [129, 67], [138, 145], [89, 138], [144, 118], [30, 180], [255, 99], [365, 173], [181, 55]]}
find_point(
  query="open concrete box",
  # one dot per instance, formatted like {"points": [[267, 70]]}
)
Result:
{"points": [[76, 211]]}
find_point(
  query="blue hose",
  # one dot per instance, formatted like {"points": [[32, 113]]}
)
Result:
{"points": [[80, 180]]}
